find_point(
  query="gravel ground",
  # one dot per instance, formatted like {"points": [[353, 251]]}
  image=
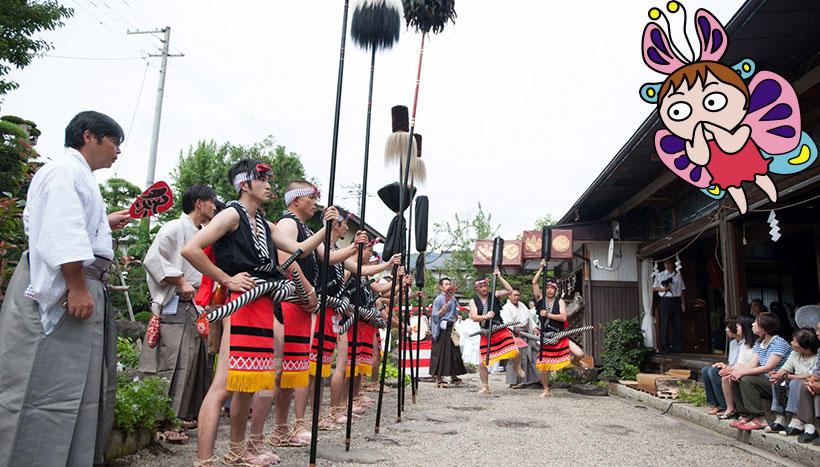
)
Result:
{"points": [[455, 426]]}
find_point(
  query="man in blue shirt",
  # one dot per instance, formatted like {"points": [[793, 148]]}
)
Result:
{"points": [[445, 357]]}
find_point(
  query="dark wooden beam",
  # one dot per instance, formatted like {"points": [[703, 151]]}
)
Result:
{"points": [[684, 233], [660, 182], [807, 81]]}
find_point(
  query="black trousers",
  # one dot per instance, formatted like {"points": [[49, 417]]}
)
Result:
{"points": [[671, 311]]}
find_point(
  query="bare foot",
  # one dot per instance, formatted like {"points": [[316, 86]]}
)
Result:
{"points": [[520, 373], [485, 390], [544, 395]]}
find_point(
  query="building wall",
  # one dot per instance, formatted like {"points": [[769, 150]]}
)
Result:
{"points": [[625, 268], [610, 300]]}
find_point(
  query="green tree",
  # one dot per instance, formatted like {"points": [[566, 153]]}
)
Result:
{"points": [[544, 221], [209, 162], [458, 238], [20, 20]]}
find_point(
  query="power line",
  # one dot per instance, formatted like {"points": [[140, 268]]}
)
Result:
{"points": [[68, 57]]}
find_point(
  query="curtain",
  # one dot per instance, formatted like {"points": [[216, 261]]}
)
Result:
{"points": [[648, 321]]}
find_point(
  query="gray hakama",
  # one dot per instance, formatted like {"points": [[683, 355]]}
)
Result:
{"points": [[528, 356], [181, 357], [56, 390], [445, 356]]}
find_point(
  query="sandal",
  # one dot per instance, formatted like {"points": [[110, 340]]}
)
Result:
{"points": [[299, 426], [206, 462], [189, 424], [280, 438], [442, 384], [485, 390], [170, 436], [326, 424], [456, 381], [337, 415], [751, 426], [544, 395], [714, 411], [238, 455], [255, 444]]}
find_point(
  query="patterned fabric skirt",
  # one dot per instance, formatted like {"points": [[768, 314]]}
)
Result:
{"points": [[250, 358], [364, 349], [502, 347], [329, 344], [296, 351], [554, 357]]}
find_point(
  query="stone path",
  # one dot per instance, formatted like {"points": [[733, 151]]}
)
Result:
{"points": [[455, 426]]}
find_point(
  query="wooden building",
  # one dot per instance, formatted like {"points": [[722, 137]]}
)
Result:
{"points": [[728, 259]]}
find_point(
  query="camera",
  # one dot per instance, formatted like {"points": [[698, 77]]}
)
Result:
{"points": [[667, 282]]}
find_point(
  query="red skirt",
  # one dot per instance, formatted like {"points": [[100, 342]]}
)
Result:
{"points": [[250, 357], [502, 347], [296, 351], [329, 344], [364, 348], [553, 357]]}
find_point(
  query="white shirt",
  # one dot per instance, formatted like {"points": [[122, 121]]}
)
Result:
{"points": [[745, 356], [734, 350], [520, 314], [676, 288], [65, 222], [163, 259]]}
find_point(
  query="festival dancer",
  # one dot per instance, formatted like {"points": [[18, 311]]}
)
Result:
{"points": [[294, 334], [58, 351], [576, 353], [502, 346], [338, 386], [243, 244], [514, 311], [181, 356], [445, 356]]}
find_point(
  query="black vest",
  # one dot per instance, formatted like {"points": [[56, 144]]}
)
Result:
{"points": [[310, 263], [235, 253], [549, 324], [496, 308]]}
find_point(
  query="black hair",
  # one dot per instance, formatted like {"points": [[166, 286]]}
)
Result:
{"points": [[343, 214], [196, 192], [807, 339], [297, 183], [242, 166], [441, 281], [516, 289], [731, 323], [745, 322], [219, 205], [100, 125], [769, 322]]}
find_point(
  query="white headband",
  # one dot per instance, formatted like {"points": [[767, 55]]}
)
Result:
{"points": [[242, 177], [297, 192]]}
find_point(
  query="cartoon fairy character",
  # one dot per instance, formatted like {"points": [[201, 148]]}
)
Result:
{"points": [[721, 132]]}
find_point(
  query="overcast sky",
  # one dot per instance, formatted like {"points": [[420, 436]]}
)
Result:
{"points": [[522, 103]]}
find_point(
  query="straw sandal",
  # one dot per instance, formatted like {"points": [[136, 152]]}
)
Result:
{"points": [[281, 438], [238, 455], [546, 394], [337, 415], [206, 462], [255, 445], [299, 426], [327, 423], [485, 390]]}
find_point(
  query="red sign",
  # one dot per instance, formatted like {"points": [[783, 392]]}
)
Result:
{"points": [[483, 253], [511, 256], [156, 199], [531, 244], [561, 246]]}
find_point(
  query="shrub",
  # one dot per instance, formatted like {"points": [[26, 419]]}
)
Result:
{"points": [[128, 356], [141, 402], [563, 376], [692, 392], [623, 350]]}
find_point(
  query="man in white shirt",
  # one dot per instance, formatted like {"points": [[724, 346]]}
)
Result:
{"points": [[670, 287], [58, 351], [181, 356], [515, 312]]}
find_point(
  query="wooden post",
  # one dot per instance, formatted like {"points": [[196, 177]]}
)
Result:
{"points": [[733, 270]]}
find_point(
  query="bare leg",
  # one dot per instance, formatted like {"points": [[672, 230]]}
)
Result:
{"points": [[377, 356], [516, 364], [545, 381], [482, 373], [338, 389], [282, 396], [577, 354], [739, 198], [262, 402], [726, 384], [767, 185], [208, 420], [240, 407]]}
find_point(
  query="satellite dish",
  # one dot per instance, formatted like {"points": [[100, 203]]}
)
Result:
{"points": [[807, 316], [609, 258], [611, 252]]}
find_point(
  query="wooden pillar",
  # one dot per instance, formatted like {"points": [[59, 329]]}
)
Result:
{"points": [[816, 229], [734, 270]]}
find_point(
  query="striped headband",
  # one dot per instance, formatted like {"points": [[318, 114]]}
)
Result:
{"points": [[297, 192], [552, 284], [261, 170], [482, 282]]}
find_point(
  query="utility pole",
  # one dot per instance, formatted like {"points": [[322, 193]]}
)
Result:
{"points": [[152, 158]]}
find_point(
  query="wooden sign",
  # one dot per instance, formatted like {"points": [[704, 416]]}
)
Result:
{"points": [[156, 199], [531, 244], [561, 246], [483, 253], [511, 256]]}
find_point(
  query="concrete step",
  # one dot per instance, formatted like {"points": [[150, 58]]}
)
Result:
{"points": [[786, 446]]}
